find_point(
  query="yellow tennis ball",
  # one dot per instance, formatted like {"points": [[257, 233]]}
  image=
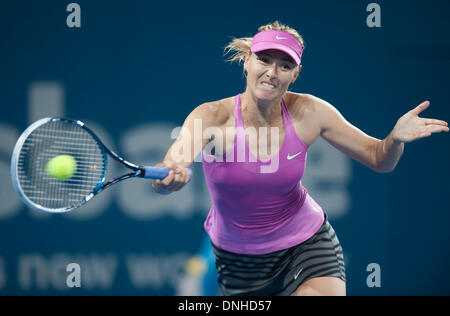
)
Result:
{"points": [[196, 265], [62, 167]]}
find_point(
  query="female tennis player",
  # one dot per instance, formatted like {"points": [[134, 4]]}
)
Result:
{"points": [[269, 236]]}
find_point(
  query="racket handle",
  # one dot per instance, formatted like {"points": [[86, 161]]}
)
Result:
{"points": [[159, 173]]}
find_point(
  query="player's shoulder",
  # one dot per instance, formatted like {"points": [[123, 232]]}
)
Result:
{"points": [[218, 111], [305, 100], [303, 104]]}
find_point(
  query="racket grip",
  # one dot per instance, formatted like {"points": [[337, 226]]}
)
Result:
{"points": [[160, 173]]}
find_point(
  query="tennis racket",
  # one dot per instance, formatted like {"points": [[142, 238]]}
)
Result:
{"points": [[52, 137]]}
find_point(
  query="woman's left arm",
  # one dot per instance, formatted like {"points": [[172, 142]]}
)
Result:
{"points": [[408, 128], [379, 155]]}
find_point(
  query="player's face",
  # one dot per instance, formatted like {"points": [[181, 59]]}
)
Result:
{"points": [[269, 73]]}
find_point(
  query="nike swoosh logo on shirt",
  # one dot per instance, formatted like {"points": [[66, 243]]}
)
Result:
{"points": [[279, 37], [289, 157], [297, 274]]}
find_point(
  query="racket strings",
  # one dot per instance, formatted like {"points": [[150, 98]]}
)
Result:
{"points": [[50, 140]]}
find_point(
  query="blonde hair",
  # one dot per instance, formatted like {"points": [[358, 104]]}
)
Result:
{"points": [[241, 46]]}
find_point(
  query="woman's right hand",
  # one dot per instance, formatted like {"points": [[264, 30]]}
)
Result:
{"points": [[177, 178]]}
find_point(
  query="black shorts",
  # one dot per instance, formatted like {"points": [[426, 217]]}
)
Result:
{"points": [[283, 271]]}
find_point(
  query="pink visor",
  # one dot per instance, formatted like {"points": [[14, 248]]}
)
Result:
{"points": [[278, 40]]}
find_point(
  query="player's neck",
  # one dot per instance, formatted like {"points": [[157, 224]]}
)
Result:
{"points": [[260, 112]]}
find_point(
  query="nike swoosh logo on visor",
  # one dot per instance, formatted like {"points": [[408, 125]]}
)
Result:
{"points": [[279, 37], [289, 157]]}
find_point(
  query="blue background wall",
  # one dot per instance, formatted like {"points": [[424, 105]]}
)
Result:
{"points": [[135, 70]]}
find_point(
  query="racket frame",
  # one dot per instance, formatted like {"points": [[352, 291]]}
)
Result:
{"points": [[101, 185]]}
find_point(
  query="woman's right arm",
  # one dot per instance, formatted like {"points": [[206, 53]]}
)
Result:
{"points": [[188, 145]]}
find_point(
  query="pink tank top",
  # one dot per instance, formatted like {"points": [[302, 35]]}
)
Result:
{"points": [[255, 212]]}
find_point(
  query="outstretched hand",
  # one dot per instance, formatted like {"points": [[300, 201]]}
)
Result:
{"points": [[411, 127]]}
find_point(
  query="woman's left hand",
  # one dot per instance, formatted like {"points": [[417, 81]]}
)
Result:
{"points": [[411, 127]]}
